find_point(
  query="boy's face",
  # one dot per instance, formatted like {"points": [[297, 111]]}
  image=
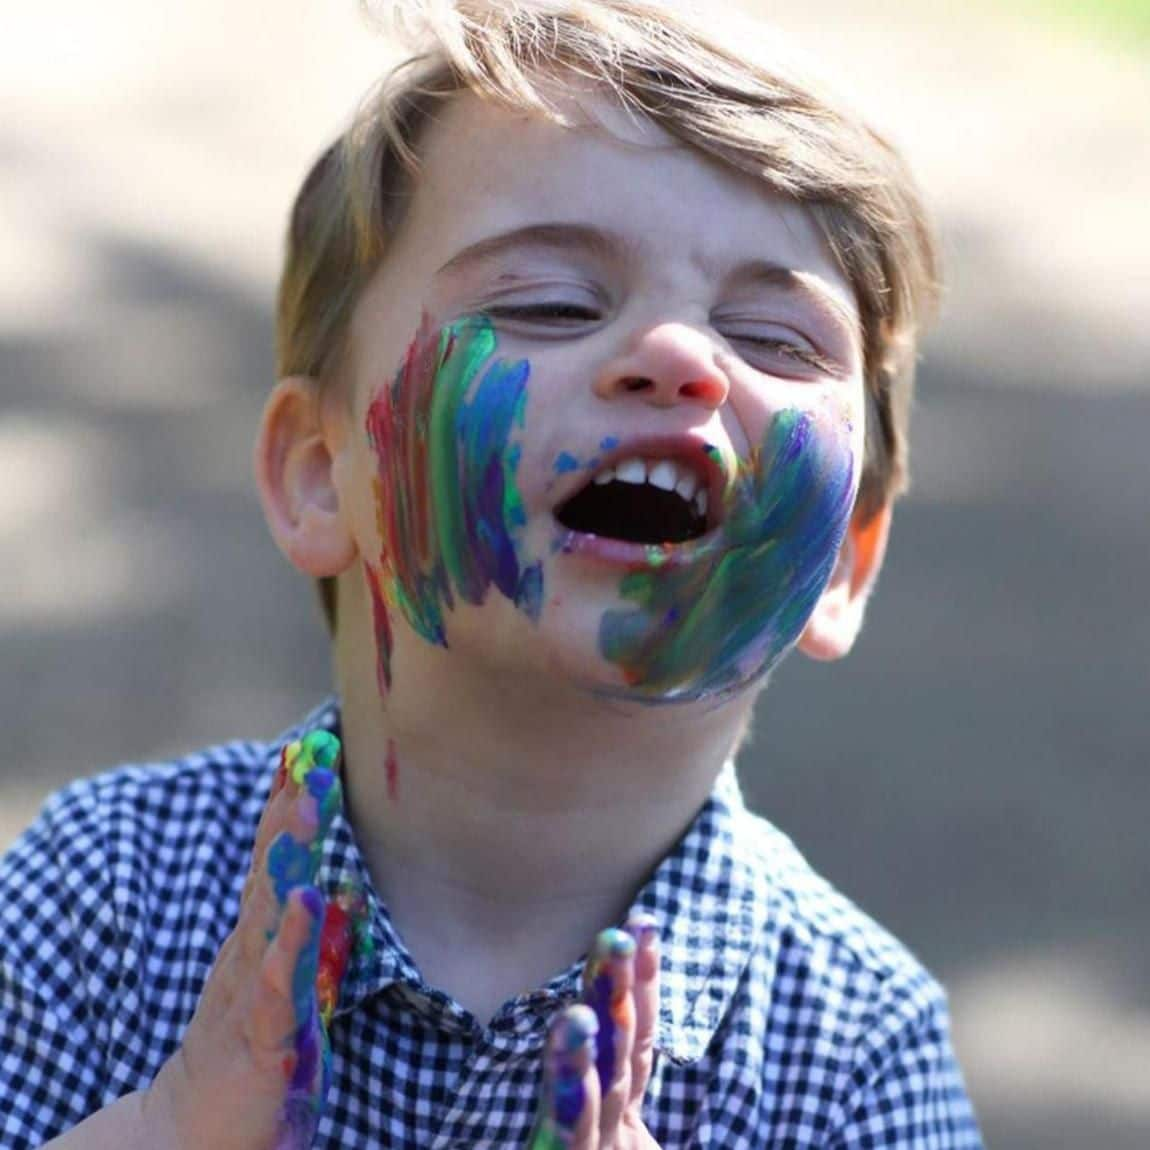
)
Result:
{"points": [[608, 411]]}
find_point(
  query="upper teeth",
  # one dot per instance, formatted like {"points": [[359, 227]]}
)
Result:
{"points": [[665, 474]]}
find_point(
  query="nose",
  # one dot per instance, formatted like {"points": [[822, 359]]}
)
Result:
{"points": [[666, 365]]}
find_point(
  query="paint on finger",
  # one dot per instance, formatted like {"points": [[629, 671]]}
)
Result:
{"points": [[342, 929], [303, 1101], [609, 998], [564, 1095]]}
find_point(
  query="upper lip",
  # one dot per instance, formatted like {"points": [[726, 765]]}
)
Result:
{"points": [[706, 459]]}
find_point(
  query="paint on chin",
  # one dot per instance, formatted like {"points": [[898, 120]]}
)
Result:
{"points": [[712, 627], [447, 501]]}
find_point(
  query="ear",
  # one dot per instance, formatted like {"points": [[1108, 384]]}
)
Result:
{"points": [[838, 616], [295, 473]]}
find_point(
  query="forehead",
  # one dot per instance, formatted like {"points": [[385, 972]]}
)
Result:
{"points": [[488, 170]]}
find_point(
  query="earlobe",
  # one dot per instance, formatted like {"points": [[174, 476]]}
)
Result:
{"points": [[295, 472], [838, 616]]}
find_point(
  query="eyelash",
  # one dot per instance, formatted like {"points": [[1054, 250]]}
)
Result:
{"points": [[784, 347], [555, 312], [562, 312]]}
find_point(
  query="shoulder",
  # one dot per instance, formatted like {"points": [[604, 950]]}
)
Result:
{"points": [[106, 850], [155, 811], [854, 1005], [815, 932], [133, 840]]}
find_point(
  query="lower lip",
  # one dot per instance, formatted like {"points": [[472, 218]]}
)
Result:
{"points": [[630, 556]]}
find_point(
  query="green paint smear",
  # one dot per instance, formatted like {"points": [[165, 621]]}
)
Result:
{"points": [[711, 626]]}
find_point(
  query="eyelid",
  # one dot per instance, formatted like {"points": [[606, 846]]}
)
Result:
{"points": [[799, 350], [765, 332]]}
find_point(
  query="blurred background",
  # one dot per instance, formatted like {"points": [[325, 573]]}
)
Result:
{"points": [[976, 775]]}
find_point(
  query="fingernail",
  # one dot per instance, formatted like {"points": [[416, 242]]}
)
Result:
{"points": [[573, 1032], [613, 943], [316, 749], [324, 749], [644, 929]]}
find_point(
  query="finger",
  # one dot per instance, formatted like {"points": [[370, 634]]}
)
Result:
{"points": [[273, 820], [569, 1109], [291, 860], [645, 931], [608, 979], [317, 749], [277, 1005]]}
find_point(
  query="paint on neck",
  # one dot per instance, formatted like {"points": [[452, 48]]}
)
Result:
{"points": [[447, 502], [709, 628]]}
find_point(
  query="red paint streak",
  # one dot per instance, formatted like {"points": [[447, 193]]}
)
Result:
{"points": [[383, 632], [334, 950], [392, 768], [397, 430]]}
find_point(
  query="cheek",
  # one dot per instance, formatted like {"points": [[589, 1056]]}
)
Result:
{"points": [[722, 622], [443, 440]]}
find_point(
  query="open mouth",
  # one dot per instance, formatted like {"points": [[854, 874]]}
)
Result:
{"points": [[638, 500]]}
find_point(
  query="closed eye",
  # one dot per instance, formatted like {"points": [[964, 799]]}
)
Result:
{"points": [[549, 312], [789, 351]]}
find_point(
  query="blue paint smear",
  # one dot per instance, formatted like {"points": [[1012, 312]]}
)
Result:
{"points": [[707, 629], [566, 462]]}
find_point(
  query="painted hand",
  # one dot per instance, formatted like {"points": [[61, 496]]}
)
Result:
{"points": [[251, 1071], [599, 1054]]}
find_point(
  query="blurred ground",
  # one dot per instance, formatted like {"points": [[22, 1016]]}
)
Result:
{"points": [[975, 775]]}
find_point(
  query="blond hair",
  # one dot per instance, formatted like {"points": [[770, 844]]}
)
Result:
{"points": [[760, 111]]}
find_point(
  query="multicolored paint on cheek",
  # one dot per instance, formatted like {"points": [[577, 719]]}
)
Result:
{"points": [[708, 627], [448, 505]]}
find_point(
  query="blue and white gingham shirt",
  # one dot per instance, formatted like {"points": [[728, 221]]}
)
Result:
{"points": [[788, 1018]]}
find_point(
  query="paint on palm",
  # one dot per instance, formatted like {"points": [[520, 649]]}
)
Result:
{"points": [[710, 626], [448, 505], [335, 930]]}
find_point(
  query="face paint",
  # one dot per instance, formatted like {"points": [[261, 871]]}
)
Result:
{"points": [[447, 503], [565, 463], [391, 768], [708, 626]]}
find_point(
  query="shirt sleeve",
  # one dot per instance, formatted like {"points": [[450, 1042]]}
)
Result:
{"points": [[910, 1091], [59, 966]]}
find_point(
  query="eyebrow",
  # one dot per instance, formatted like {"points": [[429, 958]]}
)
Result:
{"points": [[610, 245], [557, 236]]}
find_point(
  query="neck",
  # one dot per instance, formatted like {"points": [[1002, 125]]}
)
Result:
{"points": [[504, 823]]}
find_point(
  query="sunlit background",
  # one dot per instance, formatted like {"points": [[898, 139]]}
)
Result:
{"points": [[976, 775]]}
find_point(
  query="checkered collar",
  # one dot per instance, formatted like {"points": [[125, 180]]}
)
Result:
{"points": [[711, 896]]}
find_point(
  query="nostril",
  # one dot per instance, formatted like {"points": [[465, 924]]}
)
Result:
{"points": [[635, 383], [695, 390]]}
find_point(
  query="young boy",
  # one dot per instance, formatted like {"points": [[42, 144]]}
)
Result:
{"points": [[596, 337]]}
